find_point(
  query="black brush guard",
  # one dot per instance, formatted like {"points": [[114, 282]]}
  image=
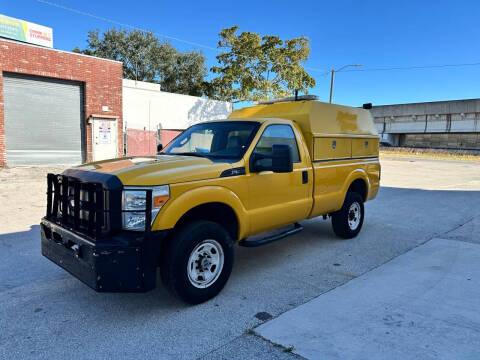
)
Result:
{"points": [[81, 232]]}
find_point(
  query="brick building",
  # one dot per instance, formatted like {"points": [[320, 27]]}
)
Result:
{"points": [[58, 107]]}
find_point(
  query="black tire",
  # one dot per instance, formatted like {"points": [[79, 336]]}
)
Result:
{"points": [[340, 219], [176, 259]]}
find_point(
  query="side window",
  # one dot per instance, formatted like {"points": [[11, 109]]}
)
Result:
{"points": [[281, 135]]}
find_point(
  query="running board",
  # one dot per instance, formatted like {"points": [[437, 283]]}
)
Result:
{"points": [[254, 243]]}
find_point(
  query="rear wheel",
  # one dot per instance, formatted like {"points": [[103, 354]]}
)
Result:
{"points": [[348, 221], [198, 261]]}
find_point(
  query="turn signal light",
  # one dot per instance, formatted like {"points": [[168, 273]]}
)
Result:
{"points": [[159, 200]]}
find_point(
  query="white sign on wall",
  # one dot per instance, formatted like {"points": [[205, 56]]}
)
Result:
{"points": [[105, 132]]}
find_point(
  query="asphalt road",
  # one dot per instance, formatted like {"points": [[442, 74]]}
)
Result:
{"points": [[46, 313]]}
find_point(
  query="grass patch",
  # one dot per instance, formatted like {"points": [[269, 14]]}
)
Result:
{"points": [[440, 154]]}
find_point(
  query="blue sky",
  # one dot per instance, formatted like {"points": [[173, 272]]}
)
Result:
{"points": [[376, 34]]}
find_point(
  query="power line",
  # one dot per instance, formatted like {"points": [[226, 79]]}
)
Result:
{"points": [[323, 71], [80, 12], [415, 67], [97, 17], [317, 70], [393, 68]]}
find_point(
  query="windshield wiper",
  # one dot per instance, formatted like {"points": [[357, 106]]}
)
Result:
{"points": [[190, 154]]}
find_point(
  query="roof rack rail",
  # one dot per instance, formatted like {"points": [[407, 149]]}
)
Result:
{"points": [[291, 98]]}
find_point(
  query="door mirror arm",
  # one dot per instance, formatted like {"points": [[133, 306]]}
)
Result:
{"points": [[254, 165]]}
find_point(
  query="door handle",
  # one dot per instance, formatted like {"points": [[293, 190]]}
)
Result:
{"points": [[305, 177]]}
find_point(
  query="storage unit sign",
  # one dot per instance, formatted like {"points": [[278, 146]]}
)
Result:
{"points": [[22, 30]]}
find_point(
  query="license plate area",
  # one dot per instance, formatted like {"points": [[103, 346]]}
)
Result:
{"points": [[62, 239]]}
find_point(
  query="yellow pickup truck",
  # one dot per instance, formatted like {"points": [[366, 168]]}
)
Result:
{"points": [[113, 223]]}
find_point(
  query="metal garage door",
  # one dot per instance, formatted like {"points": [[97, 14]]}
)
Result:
{"points": [[43, 120]]}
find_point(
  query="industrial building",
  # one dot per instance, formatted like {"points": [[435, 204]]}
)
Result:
{"points": [[441, 124], [152, 116]]}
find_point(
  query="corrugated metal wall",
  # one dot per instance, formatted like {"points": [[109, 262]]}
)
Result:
{"points": [[43, 120]]}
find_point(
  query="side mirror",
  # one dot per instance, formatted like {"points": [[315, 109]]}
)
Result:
{"points": [[279, 161], [159, 148], [282, 158]]}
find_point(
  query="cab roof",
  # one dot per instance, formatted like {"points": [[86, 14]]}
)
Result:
{"points": [[313, 117]]}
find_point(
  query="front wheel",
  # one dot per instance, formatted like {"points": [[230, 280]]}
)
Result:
{"points": [[348, 221], [198, 261]]}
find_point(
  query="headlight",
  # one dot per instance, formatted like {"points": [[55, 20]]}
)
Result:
{"points": [[134, 204]]}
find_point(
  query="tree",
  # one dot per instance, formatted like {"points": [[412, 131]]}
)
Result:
{"points": [[145, 58], [254, 68], [186, 75]]}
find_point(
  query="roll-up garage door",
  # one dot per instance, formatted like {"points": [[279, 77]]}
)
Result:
{"points": [[43, 120]]}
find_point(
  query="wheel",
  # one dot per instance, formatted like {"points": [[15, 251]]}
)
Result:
{"points": [[198, 261], [348, 221]]}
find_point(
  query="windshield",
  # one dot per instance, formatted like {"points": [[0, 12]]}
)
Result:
{"points": [[226, 139]]}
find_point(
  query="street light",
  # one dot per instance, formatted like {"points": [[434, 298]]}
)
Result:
{"points": [[333, 75]]}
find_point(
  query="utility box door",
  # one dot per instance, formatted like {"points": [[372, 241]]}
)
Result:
{"points": [[104, 139], [365, 147], [331, 148]]}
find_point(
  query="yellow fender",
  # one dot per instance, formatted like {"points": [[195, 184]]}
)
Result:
{"points": [[173, 210], [354, 175]]}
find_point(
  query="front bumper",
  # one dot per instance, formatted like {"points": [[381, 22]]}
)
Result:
{"points": [[126, 262]]}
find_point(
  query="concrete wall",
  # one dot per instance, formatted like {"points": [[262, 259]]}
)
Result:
{"points": [[441, 124], [161, 116], [469, 141], [145, 106]]}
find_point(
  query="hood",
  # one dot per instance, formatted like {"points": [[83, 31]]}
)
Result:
{"points": [[159, 170]]}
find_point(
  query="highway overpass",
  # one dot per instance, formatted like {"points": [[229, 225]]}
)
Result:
{"points": [[441, 124]]}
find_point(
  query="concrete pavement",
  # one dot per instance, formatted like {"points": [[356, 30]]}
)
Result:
{"points": [[46, 313], [421, 305]]}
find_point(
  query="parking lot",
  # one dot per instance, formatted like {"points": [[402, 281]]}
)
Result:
{"points": [[46, 313]]}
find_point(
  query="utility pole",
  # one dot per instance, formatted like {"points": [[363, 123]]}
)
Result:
{"points": [[331, 85], [333, 76]]}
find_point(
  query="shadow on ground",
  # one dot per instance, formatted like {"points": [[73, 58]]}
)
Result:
{"points": [[39, 298]]}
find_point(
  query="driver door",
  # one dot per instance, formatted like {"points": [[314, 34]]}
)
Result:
{"points": [[277, 199]]}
